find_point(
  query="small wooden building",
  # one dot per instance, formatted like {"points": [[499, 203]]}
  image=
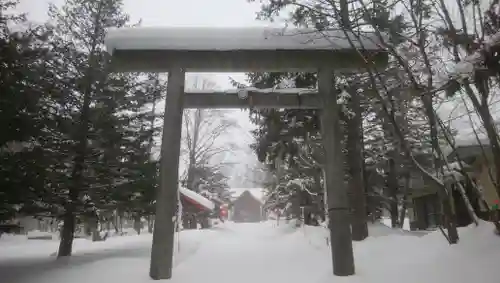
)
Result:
{"points": [[195, 207], [247, 208], [425, 206], [483, 172]]}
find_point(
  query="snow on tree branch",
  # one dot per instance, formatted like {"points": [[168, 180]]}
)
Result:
{"points": [[466, 68]]}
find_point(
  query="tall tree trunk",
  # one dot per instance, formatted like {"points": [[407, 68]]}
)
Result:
{"points": [[150, 223], [137, 224], [115, 222], [68, 230], [444, 193], [193, 149], [94, 227], [393, 188], [406, 189], [393, 163], [355, 161], [68, 233], [121, 216], [495, 148], [449, 215], [400, 161]]}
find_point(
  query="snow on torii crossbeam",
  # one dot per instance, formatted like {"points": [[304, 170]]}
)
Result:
{"points": [[180, 50], [238, 49]]}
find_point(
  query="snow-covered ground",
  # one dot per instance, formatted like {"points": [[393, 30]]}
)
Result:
{"points": [[33, 261], [262, 253]]}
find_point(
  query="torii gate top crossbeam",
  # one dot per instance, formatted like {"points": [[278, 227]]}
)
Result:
{"points": [[239, 49]]}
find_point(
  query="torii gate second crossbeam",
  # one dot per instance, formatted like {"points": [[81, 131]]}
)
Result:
{"points": [[295, 98], [180, 50]]}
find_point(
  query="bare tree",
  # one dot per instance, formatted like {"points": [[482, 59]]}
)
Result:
{"points": [[206, 138]]}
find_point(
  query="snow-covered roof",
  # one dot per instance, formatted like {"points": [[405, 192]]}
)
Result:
{"points": [[226, 39], [257, 193], [468, 150], [194, 196]]}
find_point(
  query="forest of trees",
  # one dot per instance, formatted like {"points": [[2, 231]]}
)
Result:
{"points": [[78, 142], [439, 51]]}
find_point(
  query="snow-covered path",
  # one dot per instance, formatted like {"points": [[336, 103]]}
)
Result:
{"points": [[254, 253]]}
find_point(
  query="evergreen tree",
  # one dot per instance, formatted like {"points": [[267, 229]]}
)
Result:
{"points": [[96, 97], [27, 94]]}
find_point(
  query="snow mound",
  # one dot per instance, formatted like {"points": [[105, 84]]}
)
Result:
{"points": [[393, 258]]}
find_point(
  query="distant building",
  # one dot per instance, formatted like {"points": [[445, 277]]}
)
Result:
{"points": [[247, 208]]}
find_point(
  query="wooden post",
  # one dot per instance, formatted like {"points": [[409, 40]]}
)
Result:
{"points": [[166, 199], [335, 187]]}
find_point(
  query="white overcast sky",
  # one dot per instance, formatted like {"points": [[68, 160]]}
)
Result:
{"points": [[172, 13]]}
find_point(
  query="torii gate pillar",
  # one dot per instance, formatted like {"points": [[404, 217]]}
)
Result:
{"points": [[162, 253], [335, 187]]}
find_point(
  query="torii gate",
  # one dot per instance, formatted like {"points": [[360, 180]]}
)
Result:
{"points": [[180, 50]]}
